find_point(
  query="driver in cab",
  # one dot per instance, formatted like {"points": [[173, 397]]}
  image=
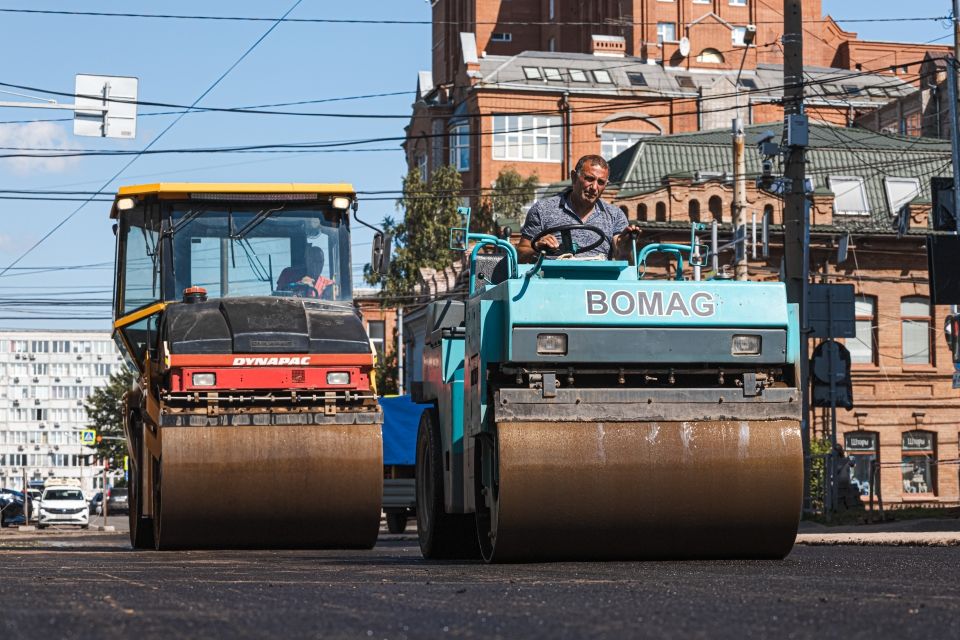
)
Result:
{"points": [[568, 223], [306, 281]]}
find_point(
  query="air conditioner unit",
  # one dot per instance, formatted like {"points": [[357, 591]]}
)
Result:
{"points": [[56, 425], [16, 403], [56, 447], [32, 357], [43, 425], [16, 357], [99, 357], [79, 380], [50, 473], [37, 401], [79, 357], [16, 380], [36, 379], [20, 447], [36, 447]]}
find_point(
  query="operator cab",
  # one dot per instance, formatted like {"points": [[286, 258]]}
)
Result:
{"points": [[176, 241]]}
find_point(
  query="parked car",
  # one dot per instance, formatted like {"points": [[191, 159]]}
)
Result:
{"points": [[11, 508], [36, 497], [63, 504], [117, 501], [96, 503]]}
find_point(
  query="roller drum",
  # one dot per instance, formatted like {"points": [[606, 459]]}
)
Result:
{"points": [[291, 486], [646, 490]]}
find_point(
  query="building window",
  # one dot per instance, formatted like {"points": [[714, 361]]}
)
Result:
{"points": [[460, 146], [918, 462], [552, 10], [661, 213], [532, 73], [915, 329], [900, 191], [553, 74], [422, 165], [710, 56], [530, 138], [578, 75], [737, 34], [502, 36], [738, 3], [641, 212], [715, 205], [850, 196], [436, 138], [552, 44], [702, 1], [376, 329], [863, 347], [666, 32], [693, 210], [861, 447], [602, 76], [613, 143]]}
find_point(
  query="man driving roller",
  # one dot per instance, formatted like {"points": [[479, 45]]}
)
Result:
{"points": [[306, 281], [580, 206]]}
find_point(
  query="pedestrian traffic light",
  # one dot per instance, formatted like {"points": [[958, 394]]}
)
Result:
{"points": [[99, 439], [951, 330]]}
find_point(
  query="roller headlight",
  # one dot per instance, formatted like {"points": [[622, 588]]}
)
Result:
{"points": [[552, 344], [204, 379], [745, 345], [338, 377]]}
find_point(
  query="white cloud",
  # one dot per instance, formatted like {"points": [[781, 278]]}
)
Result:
{"points": [[47, 135], [7, 243]]}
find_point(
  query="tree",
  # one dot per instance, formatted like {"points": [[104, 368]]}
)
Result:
{"points": [[105, 412], [511, 192], [422, 239]]}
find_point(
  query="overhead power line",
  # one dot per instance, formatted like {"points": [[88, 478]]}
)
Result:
{"points": [[370, 21]]}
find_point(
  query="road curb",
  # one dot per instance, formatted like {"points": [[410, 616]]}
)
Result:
{"points": [[951, 539]]}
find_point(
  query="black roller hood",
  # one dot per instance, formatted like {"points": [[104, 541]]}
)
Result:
{"points": [[263, 325]]}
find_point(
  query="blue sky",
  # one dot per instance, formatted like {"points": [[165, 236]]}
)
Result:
{"points": [[176, 60]]}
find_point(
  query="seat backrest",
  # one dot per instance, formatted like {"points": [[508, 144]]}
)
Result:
{"points": [[493, 267]]}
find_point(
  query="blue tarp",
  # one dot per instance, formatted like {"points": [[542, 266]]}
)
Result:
{"points": [[401, 417]]}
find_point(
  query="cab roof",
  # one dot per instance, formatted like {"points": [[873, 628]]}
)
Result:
{"points": [[176, 190]]}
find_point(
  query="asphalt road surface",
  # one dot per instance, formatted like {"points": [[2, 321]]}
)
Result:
{"points": [[84, 586]]}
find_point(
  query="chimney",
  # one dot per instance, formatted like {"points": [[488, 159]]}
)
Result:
{"points": [[609, 46]]}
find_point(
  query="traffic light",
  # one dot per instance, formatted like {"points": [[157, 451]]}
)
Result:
{"points": [[951, 330], [99, 439]]}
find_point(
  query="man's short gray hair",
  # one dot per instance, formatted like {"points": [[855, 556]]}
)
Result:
{"points": [[592, 160]]}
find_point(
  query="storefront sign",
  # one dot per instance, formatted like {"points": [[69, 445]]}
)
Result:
{"points": [[862, 442], [917, 441]]}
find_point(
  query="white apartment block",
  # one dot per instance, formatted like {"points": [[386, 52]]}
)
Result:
{"points": [[45, 377]]}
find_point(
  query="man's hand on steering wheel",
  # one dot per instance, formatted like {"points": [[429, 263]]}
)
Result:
{"points": [[545, 240]]}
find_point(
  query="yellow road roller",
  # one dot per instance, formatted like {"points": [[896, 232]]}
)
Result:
{"points": [[253, 421]]}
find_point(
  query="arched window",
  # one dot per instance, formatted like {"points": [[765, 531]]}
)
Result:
{"points": [[711, 56], [661, 212], [863, 450], [625, 210], [917, 464], [693, 209], [641, 212], [915, 329], [715, 204], [768, 213]]}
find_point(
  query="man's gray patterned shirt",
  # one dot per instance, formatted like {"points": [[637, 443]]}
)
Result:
{"points": [[556, 210]]}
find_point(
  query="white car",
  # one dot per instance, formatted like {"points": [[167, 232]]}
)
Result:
{"points": [[63, 504]]}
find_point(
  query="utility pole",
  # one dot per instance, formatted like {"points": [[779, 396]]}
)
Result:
{"points": [[796, 263], [739, 200]]}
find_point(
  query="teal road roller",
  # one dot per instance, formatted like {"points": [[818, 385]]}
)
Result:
{"points": [[581, 409]]}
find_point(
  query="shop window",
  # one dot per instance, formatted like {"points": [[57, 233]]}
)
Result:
{"points": [[915, 329], [715, 205], [861, 447], [661, 212], [693, 210], [863, 347], [918, 463]]}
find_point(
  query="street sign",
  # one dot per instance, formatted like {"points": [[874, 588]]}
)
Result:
{"points": [[116, 94], [88, 437], [830, 310]]}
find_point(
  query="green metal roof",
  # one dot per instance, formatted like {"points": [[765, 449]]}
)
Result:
{"points": [[833, 151]]}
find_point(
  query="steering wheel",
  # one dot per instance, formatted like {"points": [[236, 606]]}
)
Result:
{"points": [[302, 290], [601, 236]]}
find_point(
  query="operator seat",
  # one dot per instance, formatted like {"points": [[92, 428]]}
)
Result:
{"points": [[492, 268]]}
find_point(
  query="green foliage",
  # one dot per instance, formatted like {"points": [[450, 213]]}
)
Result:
{"points": [[511, 192], [105, 411], [385, 371], [422, 239], [819, 449]]}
